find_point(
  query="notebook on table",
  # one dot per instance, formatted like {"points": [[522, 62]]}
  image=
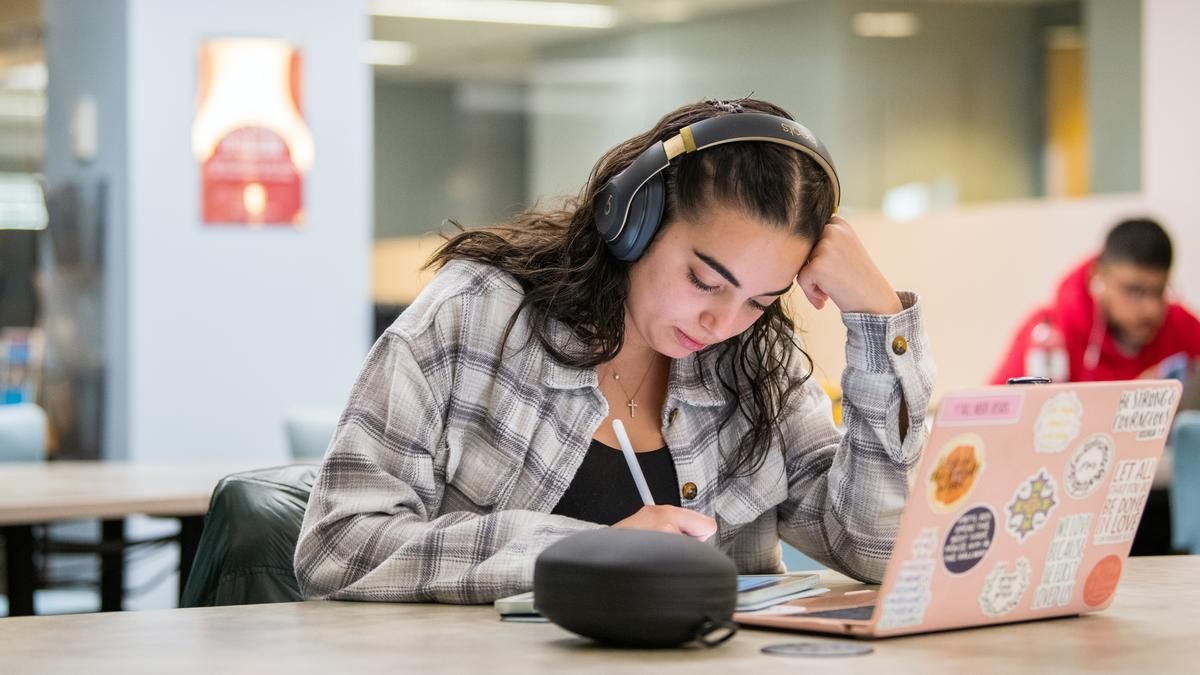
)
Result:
{"points": [[755, 592], [1023, 506]]}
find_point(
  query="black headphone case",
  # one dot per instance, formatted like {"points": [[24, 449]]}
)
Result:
{"points": [[637, 588]]}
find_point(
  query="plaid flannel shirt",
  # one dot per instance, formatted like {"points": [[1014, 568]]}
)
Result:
{"points": [[449, 457]]}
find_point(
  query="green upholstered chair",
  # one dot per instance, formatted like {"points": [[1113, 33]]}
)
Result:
{"points": [[245, 553]]}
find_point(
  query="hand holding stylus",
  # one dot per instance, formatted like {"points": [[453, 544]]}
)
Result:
{"points": [[663, 518]]}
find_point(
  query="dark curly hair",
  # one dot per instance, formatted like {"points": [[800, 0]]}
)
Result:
{"points": [[569, 276]]}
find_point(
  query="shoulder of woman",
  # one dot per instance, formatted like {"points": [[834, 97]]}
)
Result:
{"points": [[464, 293]]}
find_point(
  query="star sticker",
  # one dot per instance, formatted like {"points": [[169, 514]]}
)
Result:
{"points": [[1037, 500]]}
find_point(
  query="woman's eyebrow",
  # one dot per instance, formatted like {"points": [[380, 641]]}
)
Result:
{"points": [[724, 271]]}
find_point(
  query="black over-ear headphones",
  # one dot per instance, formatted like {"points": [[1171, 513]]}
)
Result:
{"points": [[628, 211]]}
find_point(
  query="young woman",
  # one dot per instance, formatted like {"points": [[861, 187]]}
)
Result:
{"points": [[479, 431]]}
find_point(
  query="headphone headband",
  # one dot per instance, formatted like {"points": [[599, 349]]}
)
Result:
{"points": [[628, 209]]}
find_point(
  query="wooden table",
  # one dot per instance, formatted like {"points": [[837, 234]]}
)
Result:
{"points": [[45, 492], [1151, 628]]}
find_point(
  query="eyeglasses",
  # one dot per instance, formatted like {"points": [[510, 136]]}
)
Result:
{"points": [[1139, 293]]}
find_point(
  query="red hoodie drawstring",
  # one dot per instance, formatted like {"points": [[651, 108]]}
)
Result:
{"points": [[1091, 355]]}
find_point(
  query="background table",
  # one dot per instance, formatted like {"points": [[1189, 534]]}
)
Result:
{"points": [[1151, 628], [44, 492]]}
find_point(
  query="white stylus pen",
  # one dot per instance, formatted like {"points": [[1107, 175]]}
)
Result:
{"points": [[631, 460]]}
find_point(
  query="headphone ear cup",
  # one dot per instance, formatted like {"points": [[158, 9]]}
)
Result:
{"points": [[645, 216]]}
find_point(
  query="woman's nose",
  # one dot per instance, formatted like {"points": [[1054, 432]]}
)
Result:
{"points": [[717, 322]]}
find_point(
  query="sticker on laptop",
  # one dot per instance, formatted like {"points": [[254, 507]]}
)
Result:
{"points": [[1145, 412], [981, 409], [1003, 587], [955, 472], [1031, 505], [1127, 494], [1088, 466], [1102, 581], [1058, 423], [1062, 561], [910, 594], [969, 540]]}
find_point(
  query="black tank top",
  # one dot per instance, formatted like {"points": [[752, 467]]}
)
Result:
{"points": [[603, 490]]}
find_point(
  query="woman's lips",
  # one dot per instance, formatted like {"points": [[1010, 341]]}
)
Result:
{"points": [[688, 342]]}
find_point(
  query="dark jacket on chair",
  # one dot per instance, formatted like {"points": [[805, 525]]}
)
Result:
{"points": [[245, 552]]}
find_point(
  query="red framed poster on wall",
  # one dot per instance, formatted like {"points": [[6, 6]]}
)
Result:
{"points": [[249, 133]]}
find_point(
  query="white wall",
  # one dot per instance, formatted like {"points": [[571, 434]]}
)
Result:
{"points": [[1170, 142], [230, 327]]}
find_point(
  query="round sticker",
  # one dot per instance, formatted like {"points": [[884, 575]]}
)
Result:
{"points": [[818, 649], [955, 472], [969, 540], [1088, 466], [1102, 581]]}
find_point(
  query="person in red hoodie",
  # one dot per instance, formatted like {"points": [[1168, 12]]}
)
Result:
{"points": [[1112, 318]]}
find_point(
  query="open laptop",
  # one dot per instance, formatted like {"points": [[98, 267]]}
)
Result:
{"points": [[1023, 506]]}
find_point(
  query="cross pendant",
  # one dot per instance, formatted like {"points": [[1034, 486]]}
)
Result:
{"points": [[632, 406]]}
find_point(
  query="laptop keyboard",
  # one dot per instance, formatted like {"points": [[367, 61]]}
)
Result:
{"points": [[855, 613]]}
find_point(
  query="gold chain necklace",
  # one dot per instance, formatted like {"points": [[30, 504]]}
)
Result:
{"points": [[630, 402]]}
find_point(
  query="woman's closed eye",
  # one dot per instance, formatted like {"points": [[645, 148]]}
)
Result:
{"points": [[700, 284], [705, 288]]}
